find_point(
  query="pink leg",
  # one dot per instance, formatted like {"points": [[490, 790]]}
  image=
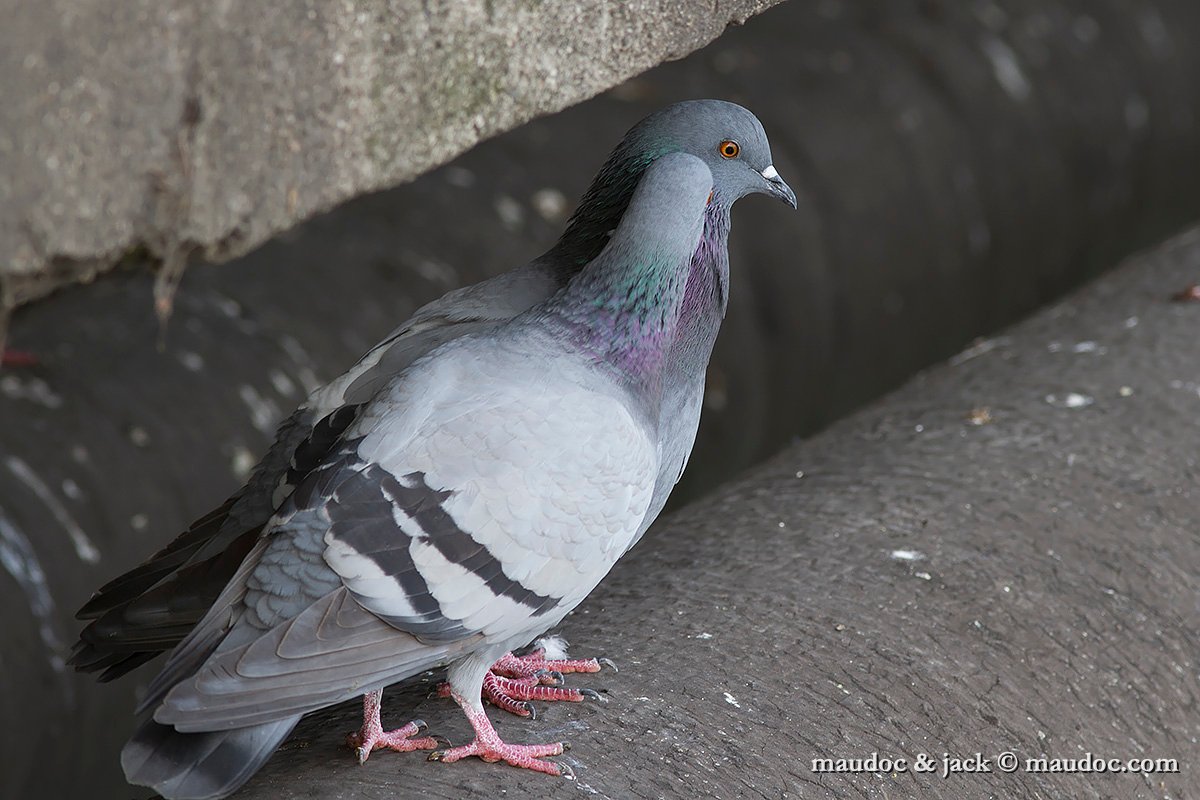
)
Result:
{"points": [[514, 680], [372, 736], [489, 747]]}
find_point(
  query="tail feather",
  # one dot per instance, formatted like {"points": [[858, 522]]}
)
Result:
{"points": [[109, 665], [140, 579], [200, 766], [135, 630]]}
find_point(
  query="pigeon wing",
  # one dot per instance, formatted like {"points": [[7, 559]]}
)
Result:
{"points": [[475, 502], [152, 607]]}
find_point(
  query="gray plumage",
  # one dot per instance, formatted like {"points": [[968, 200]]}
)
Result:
{"points": [[155, 606], [151, 608], [477, 498]]}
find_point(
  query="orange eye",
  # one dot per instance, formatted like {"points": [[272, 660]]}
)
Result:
{"points": [[729, 148]]}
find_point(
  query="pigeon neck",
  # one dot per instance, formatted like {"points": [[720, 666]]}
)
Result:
{"points": [[600, 213], [624, 312], [613, 315], [708, 282], [600, 210]]}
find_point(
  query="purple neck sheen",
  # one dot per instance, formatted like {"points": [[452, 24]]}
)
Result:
{"points": [[706, 296], [625, 321], [676, 333], [708, 282]]}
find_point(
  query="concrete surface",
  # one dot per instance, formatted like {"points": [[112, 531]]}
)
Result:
{"points": [[999, 557], [163, 129], [936, 205]]}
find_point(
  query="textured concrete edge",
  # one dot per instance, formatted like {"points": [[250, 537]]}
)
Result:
{"points": [[997, 558], [206, 131]]}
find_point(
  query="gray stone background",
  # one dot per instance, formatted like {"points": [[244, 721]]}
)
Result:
{"points": [[958, 165]]}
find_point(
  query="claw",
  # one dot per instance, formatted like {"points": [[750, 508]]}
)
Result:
{"points": [[565, 769], [513, 679], [371, 736], [592, 694], [488, 746]]}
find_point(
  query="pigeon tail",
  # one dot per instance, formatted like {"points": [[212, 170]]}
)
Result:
{"points": [[137, 629], [199, 766]]}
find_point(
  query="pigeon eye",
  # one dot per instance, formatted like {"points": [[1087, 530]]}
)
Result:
{"points": [[729, 148]]}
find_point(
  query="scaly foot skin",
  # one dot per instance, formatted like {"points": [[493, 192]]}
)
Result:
{"points": [[489, 747], [535, 662], [515, 680], [372, 736]]}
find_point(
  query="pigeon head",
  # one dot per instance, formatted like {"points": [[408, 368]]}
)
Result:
{"points": [[726, 137]]}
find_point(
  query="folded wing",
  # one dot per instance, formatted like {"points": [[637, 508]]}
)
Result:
{"points": [[451, 514]]}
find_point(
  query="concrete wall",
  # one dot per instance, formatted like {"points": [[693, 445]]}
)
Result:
{"points": [[998, 558], [161, 129], [958, 166]]}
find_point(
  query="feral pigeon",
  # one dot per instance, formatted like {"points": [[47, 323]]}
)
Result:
{"points": [[153, 607], [476, 499]]}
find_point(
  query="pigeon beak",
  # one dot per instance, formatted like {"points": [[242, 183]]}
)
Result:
{"points": [[777, 186]]}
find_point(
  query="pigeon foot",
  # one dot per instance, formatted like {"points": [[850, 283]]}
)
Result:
{"points": [[514, 680], [372, 736], [535, 662], [489, 747]]}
